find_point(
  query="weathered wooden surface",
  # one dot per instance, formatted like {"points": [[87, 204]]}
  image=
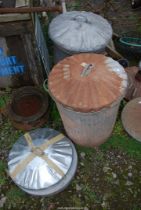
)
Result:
{"points": [[3, 45], [22, 3], [30, 9], [113, 53], [24, 48], [17, 39], [7, 80], [15, 3], [8, 3], [33, 59], [14, 28], [13, 17], [48, 2], [16, 47]]}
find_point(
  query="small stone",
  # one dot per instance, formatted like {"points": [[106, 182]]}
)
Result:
{"points": [[86, 208], [78, 188], [130, 174], [116, 182], [2, 201], [131, 191], [82, 154], [106, 196], [130, 167], [97, 179], [103, 204], [106, 169], [114, 175], [129, 183], [82, 164]]}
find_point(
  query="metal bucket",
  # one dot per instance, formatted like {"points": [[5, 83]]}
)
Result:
{"points": [[89, 129]]}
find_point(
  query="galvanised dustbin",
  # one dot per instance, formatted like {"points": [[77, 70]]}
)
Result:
{"points": [[88, 89], [79, 32]]}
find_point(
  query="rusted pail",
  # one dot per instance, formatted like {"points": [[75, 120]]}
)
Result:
{"points": [[28, 108]]}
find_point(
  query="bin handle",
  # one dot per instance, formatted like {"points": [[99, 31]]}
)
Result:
{"points": [[88, 68], [45, 85], [81, 19]]}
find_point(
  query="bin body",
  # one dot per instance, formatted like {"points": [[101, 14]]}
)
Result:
{"points": [[60, 54], [89, 129]]}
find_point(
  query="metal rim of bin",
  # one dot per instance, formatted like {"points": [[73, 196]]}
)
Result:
{"points": [[87, 113], [69, 53]]}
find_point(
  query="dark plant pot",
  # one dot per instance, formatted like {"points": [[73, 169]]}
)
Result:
{"points": [[28, 108], [135, 4], [129, 51]]}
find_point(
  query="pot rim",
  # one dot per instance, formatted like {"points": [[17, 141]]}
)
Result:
{"points": [[28, 90]]}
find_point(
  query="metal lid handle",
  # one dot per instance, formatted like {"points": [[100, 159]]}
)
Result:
{"points": [[87, 69], [81, 18]]}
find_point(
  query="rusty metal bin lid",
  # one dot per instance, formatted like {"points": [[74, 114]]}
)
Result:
{"points": [[42, 159], [80, 31], [131, 118], [87, 82]]}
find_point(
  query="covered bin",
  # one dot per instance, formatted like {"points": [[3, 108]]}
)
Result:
{"points": [[78, 32], [88, 89]]}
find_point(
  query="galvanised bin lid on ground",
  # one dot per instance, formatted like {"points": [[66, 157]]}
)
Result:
{"points": [[131, 118], [80, 31], [87, 82], [42, 162]]}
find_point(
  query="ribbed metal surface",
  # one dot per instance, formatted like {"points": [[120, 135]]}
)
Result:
{"points": [[131, 118], [64, 182], [80, 31], [38, 174], [89, 129], [41, 43]]}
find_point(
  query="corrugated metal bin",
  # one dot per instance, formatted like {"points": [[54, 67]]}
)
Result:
{"points": [[42, 162], [78, 32], [88, 89]]}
